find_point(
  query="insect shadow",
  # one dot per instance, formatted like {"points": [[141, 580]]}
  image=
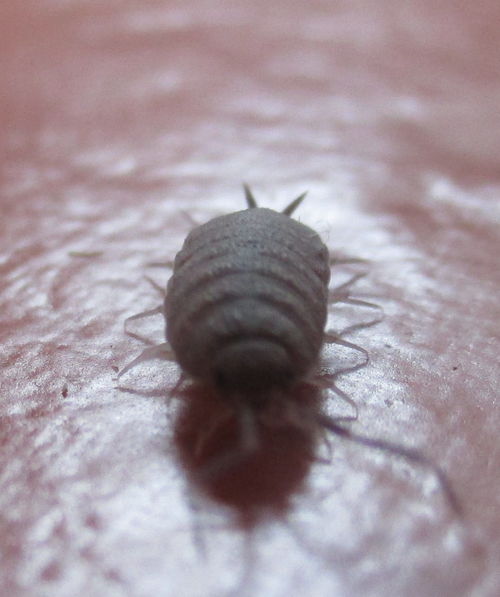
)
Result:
{"points": [[247, 429], [206, 433]]}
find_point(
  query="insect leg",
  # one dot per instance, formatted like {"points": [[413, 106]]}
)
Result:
{"points": [[160, 351], [148, 313], [339, 260], [189, 218], [158, 287], [408, 454], [359, 326], [327, 382], [248, 444], [363, 324], [342, 288], [341, 294], [167, 264], [208, 431], [334, 338]]}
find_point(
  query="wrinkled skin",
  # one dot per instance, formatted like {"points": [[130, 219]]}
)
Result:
{"points": [[122, 122]]}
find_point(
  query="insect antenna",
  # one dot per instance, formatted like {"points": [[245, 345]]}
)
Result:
{"points": [[249, 196], [248, 444], [409, 454], [289, 209]]}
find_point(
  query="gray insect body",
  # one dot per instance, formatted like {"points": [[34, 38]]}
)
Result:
{"points": [[245, 312], [246, 305]]}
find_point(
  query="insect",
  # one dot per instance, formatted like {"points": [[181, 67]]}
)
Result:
{"points": [[246, 305], [245, 313]]}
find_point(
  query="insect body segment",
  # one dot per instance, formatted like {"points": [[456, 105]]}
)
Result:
{"points": [[246, 305]]}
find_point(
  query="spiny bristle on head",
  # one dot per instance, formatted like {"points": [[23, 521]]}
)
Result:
{"points": [[289, 209], [249, 196]]}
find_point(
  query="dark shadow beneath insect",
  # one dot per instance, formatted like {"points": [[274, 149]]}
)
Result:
{"points": [[206, 430]]}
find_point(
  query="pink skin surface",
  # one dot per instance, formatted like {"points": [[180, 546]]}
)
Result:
{"points": [[121, 121]]}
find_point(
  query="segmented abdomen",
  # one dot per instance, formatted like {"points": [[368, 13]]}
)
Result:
{"points": [[247, 301]]}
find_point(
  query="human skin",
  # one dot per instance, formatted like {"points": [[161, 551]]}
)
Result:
{"points": [[125, 122]]}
